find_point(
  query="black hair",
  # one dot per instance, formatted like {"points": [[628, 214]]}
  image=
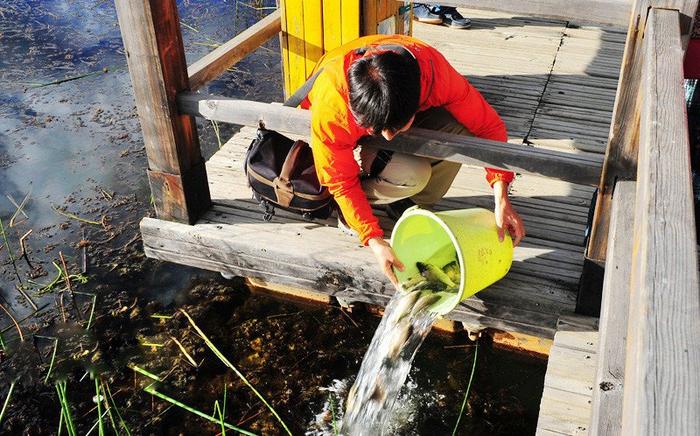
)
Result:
{"points": [[384, 90]]}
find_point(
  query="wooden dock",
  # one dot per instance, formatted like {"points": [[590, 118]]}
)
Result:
{"points": [[566, 405], [585, 105], [555, 90]]}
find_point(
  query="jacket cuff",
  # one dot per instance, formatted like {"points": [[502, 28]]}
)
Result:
{"points": [[494, 175], [372, 234]]}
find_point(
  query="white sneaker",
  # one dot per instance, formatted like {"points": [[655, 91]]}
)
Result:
{"points": [[344, 228]]}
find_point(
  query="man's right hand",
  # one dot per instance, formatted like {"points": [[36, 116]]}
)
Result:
{"points": [[386, 258]]}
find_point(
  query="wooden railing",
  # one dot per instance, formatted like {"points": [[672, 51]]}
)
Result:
{"points": [[228, 54], [648, 378], [581, 168]]}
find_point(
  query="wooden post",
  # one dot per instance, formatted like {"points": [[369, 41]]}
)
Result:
{"points": [[156, 57], [622, 149], [606, 410], [662, 369]]}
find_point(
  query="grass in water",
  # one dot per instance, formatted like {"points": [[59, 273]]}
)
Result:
{"points": [[7, 401], [332, 406], [66, 418], [53, 355], [116, 410], [151, 390], [226, 362], [92, 307], [75, 217], [218, 411], [7, 244], [466, 394], [98, 399], [145, 373]]}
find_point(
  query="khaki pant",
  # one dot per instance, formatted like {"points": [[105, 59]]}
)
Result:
{"points": [[423, 180]]}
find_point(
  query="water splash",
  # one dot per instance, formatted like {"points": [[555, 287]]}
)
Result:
{"points": [[386, 364]]}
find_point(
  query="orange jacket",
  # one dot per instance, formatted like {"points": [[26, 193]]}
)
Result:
{"points": [[334, 132]]}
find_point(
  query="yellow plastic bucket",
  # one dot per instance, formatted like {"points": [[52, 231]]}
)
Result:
{"points": [[434, 237]]}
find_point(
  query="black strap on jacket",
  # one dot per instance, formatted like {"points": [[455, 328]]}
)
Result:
{"points": [[301, 93]]}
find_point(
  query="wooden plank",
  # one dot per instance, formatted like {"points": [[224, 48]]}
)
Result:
{"points": [[313, 33], [284, 49], [662, 369], [607, 395], [332, 24], [571, 370], [156, 59], [230, 248], [483, 152], [294, 14], [350, 12], [622, 150], [466, 150], [580, 340], [565, 405], [614, 12], [369, 17], [228, 54], [563, 413]]}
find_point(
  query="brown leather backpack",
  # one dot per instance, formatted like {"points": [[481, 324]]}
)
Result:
{"points": [[281, 173]]}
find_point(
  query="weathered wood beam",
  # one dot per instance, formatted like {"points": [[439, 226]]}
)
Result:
{"points": [[156, 59], [228, 54], [662, 369], [622, 149], [614, 12], [606, 417], [582, 169]]}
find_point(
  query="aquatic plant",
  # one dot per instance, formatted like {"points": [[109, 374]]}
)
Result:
{"points": [[7, 244], [114, 406], [99, 409], [332, 407], [66, 417], [7, 401], [53, 355], [151, 390], [240, 375], [466, 394]]}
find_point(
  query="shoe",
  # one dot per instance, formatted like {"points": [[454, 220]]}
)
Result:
{"points": [[396, 209], [344, 228], [455, 20], [426, 14]]}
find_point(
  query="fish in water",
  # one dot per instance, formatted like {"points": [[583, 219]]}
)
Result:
{"points": [[452, 271], [424, 302], [399, 336], [439, 281]]}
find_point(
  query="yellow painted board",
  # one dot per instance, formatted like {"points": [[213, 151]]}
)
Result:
{"points": [[351, 20], [313, 33], [369, 17], [284, 49], [295, 35], [332, 24]]}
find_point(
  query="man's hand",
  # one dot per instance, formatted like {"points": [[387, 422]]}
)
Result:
{"points": [[386, 258], [506, 216]]}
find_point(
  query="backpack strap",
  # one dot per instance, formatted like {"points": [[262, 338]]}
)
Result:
{"points": [[303, 91], [282, 183]]}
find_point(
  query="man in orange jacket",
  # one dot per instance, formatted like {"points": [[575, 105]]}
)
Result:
{"points": [[383, 85]]}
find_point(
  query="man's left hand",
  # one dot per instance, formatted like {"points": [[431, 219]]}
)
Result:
{"points": [[506, 217]]}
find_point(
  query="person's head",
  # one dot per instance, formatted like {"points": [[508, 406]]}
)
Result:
{"points": [[384, 92]]}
